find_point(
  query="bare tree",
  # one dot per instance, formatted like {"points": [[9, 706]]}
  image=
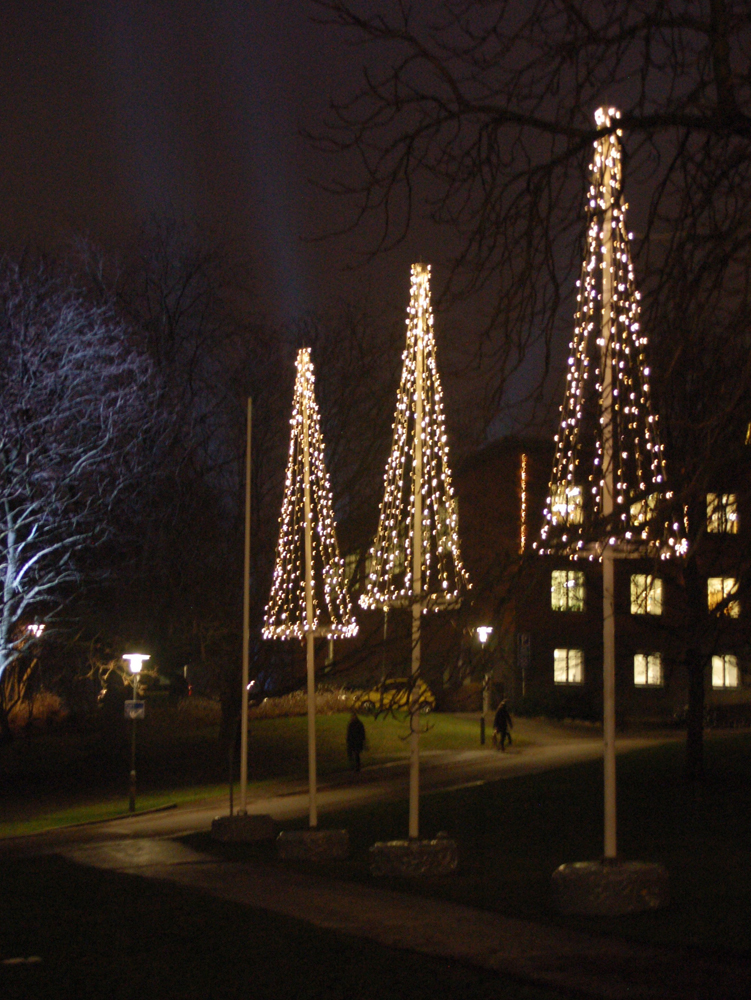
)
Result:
{"points": [[479, 113], [79, 404]]}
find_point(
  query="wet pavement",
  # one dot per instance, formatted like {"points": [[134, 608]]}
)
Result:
{"points": [[578, 963]]}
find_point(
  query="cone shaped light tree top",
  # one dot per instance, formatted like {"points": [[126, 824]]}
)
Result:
{"points": [[391, 564], [595, 500], [286, 614]]}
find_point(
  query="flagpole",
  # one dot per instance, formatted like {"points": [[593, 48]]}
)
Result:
{"points": [[309, 637], [414, 735], [246, 623]]}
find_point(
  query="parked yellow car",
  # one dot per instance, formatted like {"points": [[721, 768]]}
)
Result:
{"points": [[394, 695]]}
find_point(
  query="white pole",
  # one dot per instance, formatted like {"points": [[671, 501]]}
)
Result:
{"points": [[309, 638], [246, 624], [608, 575], [414, 736]]}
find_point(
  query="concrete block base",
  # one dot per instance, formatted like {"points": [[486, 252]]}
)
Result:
{"points": [[610, 888], [414, 857], [313, 845], [243, 827]]}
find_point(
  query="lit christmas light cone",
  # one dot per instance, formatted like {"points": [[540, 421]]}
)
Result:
{"points": [[608, 492], [415, 560], [609, 483], [308, 592]]}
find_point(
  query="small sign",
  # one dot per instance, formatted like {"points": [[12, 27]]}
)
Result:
{"points": [[522, 649], [135, 709]]}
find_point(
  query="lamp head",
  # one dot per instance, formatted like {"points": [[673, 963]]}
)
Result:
{"points": [[484, 632], [135, 661]]}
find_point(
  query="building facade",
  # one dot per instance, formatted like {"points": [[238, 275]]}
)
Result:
{"points": [[672, 616]]}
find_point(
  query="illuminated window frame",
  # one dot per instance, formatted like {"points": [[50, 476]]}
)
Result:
{"points": [[567, 505], [567, 590], [351, 562], [722, 513], [648, 670], [718, 589], [646, 594], [725, 671], [643, 510], [568, 666]]}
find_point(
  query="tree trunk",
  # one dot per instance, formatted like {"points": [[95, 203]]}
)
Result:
{"points": [[6, 734], [695, 722], [696, 611]]}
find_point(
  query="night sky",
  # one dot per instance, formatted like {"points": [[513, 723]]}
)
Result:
{"points": [[118, 110]]}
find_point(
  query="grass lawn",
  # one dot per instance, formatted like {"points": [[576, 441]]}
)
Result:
{"points": [[58, 778], [101, 934], [513, 833]]}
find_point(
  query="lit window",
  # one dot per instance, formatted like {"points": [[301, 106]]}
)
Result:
{"points": [[646, 594], [351, 560], [567, 590], [648, 670], [719, 588], [722, 513], [567, 505], [398, 549], [643, 510], [725, 671], [568, 666], [443, 529]]}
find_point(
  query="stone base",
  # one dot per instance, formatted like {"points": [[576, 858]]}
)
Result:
{"points": [[313, 845], [610, 888], [243, 827], [414, 857]]}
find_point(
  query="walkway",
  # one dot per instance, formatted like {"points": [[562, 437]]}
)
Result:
{"points": [[578, 963]]}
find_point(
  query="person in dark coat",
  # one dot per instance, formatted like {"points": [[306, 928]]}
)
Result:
{"points": [[355, 740], [501, 725]]}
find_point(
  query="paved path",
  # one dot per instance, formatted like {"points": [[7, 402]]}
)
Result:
{"points": [[577, 963], [583, 965], [549, 747]]}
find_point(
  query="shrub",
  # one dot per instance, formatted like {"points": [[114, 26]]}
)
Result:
{"points": [[329, 700]]}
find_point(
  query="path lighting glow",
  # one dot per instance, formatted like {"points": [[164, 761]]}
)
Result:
{"points": [[135, 662]]}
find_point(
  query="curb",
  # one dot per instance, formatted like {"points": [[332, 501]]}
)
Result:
{"points": [[89, 822]]}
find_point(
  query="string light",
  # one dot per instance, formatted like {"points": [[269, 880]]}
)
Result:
{"points": [[523, 504], [286, 613], [608, 397], [391, 561]]}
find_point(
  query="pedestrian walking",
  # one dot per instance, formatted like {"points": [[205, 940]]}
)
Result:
{"points": [[501, 725], [355, 740]]}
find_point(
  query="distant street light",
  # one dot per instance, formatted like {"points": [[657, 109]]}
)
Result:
{"points": [[135, 663], [484, 632]]}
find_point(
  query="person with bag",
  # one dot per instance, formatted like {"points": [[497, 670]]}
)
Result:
{"points": [[501, 725]]}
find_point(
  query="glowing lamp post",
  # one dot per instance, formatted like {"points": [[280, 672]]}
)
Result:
{"points": [[484, 632], [135, 664]]}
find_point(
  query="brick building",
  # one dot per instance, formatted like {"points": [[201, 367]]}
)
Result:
{"points": [[546, 612]]}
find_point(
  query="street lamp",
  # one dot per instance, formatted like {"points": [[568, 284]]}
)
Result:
{"points": [[134, 711], [484, 632]]}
